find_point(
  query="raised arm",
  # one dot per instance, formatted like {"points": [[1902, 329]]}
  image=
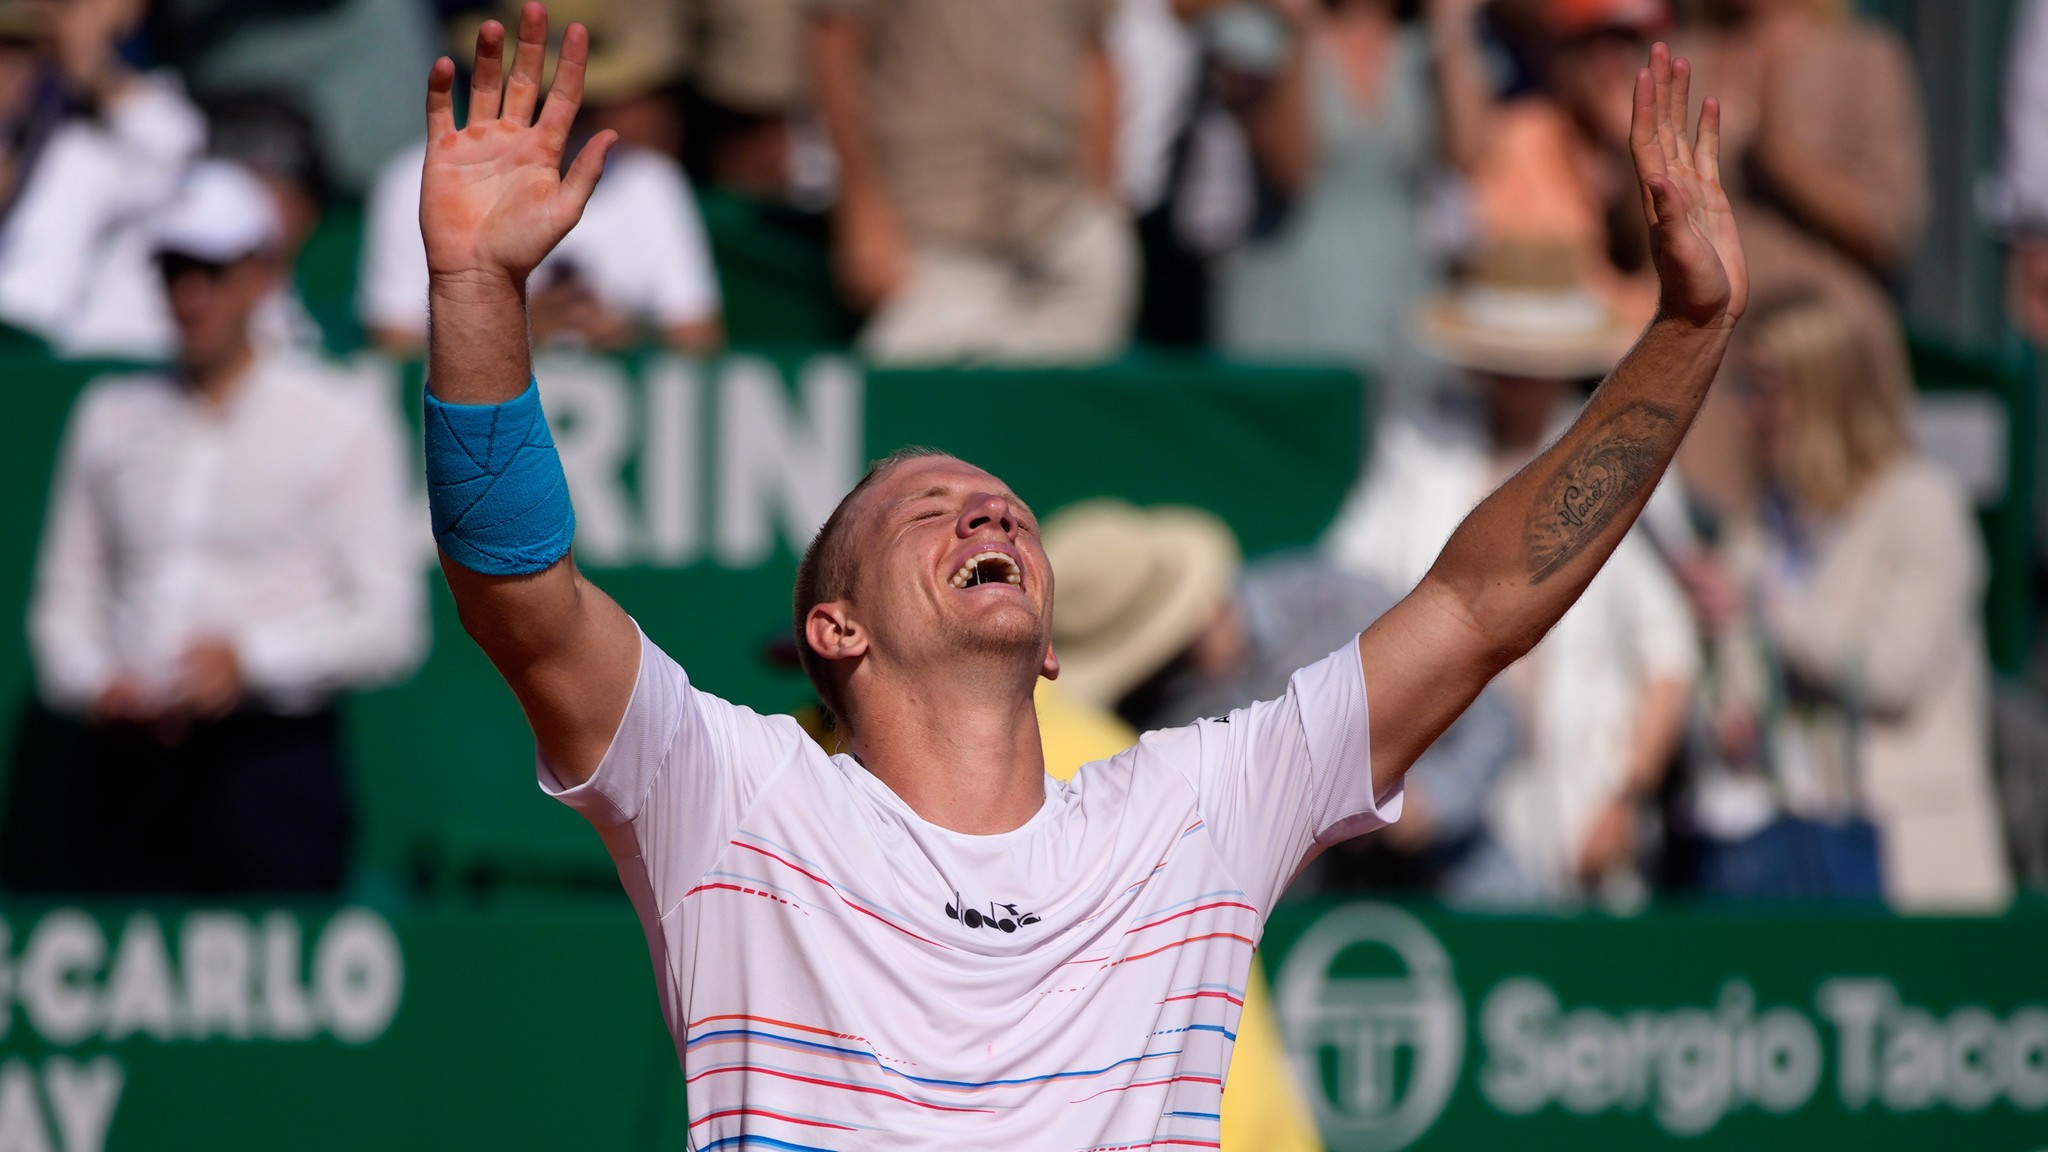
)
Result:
{"points": [[1526, 553], [493, 202]]}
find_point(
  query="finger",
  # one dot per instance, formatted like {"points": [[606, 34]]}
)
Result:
{"points": [[582, 178], [441, 99], [1706, 154], [522, 87], [487, 79], [1681, 108], [565, 95], [1667, 201], [1642, 136], [1660, 74]]}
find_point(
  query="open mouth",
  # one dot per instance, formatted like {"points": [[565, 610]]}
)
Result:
{"points": [[988, 568]]}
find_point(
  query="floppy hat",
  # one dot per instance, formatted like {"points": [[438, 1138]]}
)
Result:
{"points": [[1135, 587], [1523, 311], [220, 214]]}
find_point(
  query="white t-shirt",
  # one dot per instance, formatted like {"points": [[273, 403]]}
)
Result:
{"points": [[640, 246], [838, 973]]}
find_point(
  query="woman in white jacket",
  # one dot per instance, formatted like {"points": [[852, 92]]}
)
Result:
{"points": [[1853, 679]]}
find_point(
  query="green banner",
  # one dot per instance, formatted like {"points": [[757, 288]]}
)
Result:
{"points": [[696, 484], [533, 1025]]}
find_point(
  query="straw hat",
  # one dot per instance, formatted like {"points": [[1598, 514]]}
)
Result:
{"points": [[1135, 587], [1524, 312]]}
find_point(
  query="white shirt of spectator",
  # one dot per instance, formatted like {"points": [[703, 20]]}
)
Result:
{"points": [[839, 973], [280, 523], [640, 246], [75, 260], [1630, 626], [2025, 183], [77, 267]]}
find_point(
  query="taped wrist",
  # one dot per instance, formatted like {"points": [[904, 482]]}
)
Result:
{"points": [[495, 487]]}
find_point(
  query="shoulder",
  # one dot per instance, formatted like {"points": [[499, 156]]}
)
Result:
{"points": [[111, 402], [1916, 493], [1430, 443], [320, 396]]}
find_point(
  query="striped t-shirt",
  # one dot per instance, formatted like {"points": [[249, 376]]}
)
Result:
{"points": [[840, 974]]}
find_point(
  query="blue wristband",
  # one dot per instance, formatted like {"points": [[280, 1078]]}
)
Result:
{"points": [[499, 500]]}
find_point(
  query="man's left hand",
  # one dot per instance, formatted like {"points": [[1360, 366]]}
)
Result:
{"points": [[210, 680], [1703, 277], [1610, 843]]}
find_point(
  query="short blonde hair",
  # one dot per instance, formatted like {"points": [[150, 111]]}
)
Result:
{"points": [[1845, 426]]}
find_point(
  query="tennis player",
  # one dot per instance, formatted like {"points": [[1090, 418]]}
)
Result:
{"points": [[929, 944]]}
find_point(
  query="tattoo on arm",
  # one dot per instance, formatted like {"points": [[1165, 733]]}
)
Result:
{"points": [[1585, 492]]}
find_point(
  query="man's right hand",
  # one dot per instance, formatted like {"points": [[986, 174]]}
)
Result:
{"points": [[493, 200]]}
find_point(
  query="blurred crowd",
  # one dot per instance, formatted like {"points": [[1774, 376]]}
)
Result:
{"points": [[1778, 688]]}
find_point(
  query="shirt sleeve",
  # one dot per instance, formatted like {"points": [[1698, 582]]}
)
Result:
{"points": [[70, 612], [1281, 780], [683, 768]]}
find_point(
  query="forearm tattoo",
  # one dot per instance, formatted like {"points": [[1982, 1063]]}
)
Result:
{"points": [[1584, 493]]}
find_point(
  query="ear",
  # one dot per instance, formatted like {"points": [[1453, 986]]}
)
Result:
{"points": [[1051, 668], [833, 633]]}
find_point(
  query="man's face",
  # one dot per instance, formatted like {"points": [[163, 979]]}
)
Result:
{"points": [[212, 303], [949, 565]]}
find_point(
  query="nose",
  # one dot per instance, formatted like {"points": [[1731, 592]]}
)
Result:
{"points": [[985, 510]]}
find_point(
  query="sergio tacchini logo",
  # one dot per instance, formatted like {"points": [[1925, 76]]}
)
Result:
{"points": [[1347, 1032]]}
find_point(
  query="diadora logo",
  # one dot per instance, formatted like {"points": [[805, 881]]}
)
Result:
{"points": [[1001, 917]]}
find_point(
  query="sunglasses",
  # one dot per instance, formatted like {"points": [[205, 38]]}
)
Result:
{"points": [[175, 264]]}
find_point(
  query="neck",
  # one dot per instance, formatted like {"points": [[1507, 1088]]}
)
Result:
{"points": [[216, 379], [961, 756]]}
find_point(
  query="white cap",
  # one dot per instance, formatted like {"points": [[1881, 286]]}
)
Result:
{"points": [[221, 213]]}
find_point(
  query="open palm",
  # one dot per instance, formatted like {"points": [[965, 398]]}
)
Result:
{"points": [[1700, 267], [493, 198]]}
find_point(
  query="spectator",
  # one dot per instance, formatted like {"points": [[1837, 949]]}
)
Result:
{"points": [[1603, 696], [1556, 169], [1855, 680], [268, 134], [751, 125], [637, 263], [1160, 620], [977, 213], [1349, 135], [2025, 179], [75, 260], [1833, 137], [228, 547], [1826, 154], [30, 104]]}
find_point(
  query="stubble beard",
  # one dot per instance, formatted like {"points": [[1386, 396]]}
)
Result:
{"points": [[1000, 639]]}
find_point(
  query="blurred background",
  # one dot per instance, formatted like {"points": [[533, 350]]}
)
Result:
{"points": [[1252, 300]]}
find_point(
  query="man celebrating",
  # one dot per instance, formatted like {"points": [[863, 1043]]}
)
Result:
{"points": [[928, 941]]}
